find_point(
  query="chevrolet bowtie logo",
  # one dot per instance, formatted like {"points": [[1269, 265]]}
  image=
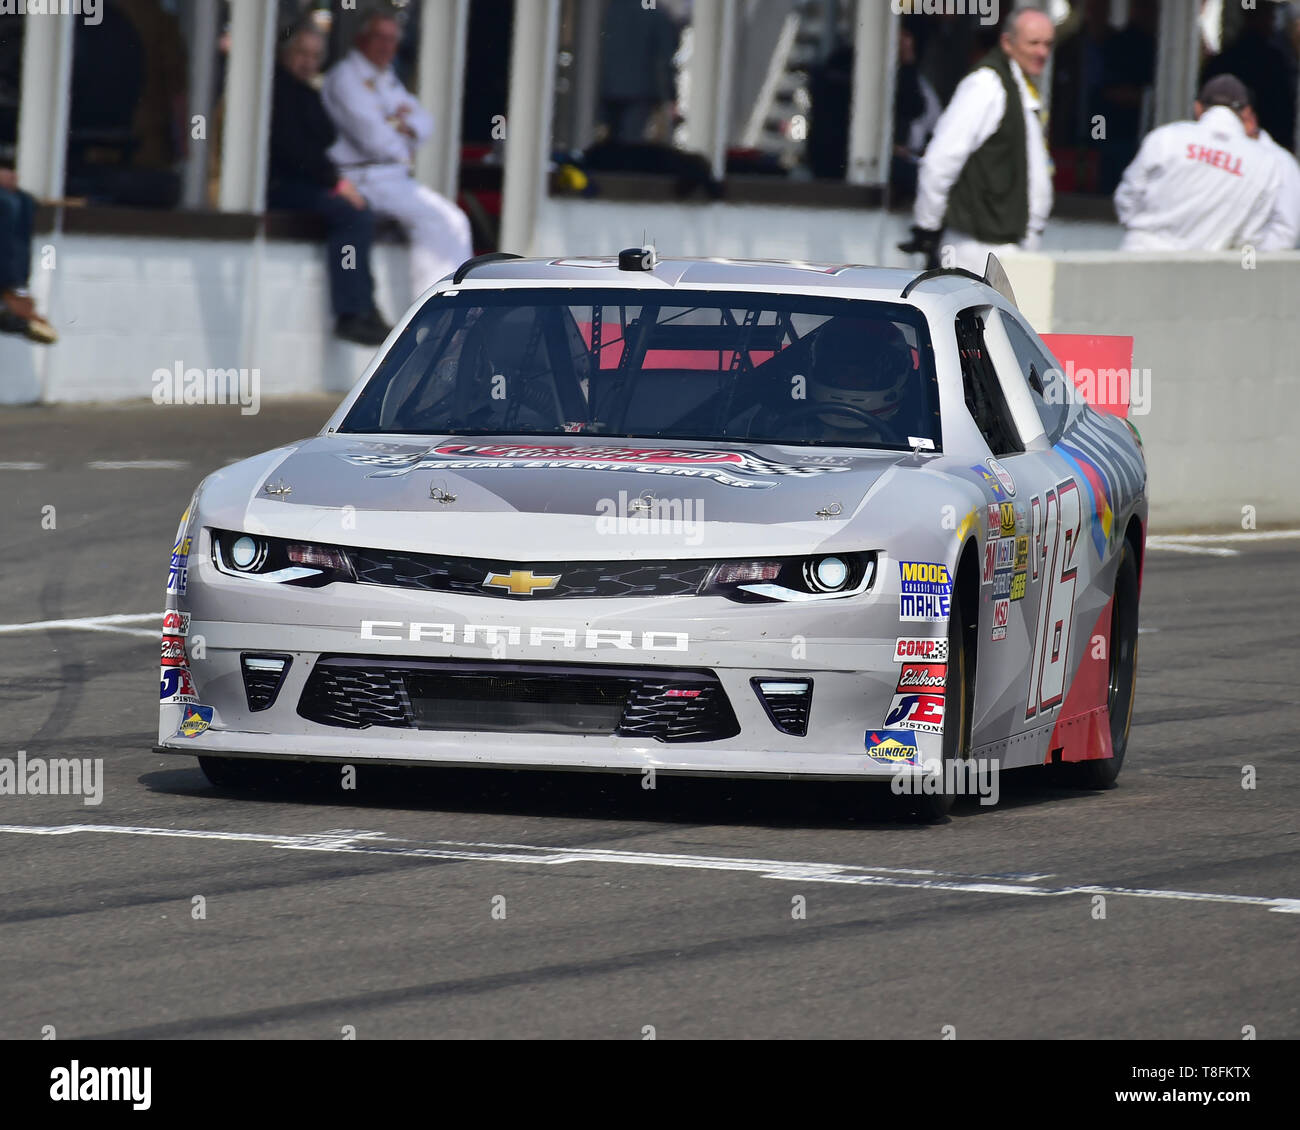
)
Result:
{"points": [[520, 582]]}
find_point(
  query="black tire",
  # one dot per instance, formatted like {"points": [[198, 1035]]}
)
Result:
{"points": [[247, 774], [1122, 683], [959, 693]]}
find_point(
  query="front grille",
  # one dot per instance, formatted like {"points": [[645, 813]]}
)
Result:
{"points": [[701, 713], [263, 678], [339, 694], [540, 698], [437, 573], [787, 702]]}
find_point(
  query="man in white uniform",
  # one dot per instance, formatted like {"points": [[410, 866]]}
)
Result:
{"points": [[1283, 227], [986, 175], [380, 127], [1203, 185]]}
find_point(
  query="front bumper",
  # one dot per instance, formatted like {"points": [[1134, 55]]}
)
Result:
{"points": [[845, 647]]}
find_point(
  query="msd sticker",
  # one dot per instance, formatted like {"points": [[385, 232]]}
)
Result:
{"points": [[916, 712], [920, 650], [893, 747], [925, 591], [176, 686], [1001, 613], [928, 677]]}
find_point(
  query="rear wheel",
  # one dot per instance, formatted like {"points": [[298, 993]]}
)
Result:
{"points": [[1122, 683]]}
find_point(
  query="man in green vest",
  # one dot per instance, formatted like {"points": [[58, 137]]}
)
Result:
{"points": [[985, 181]]}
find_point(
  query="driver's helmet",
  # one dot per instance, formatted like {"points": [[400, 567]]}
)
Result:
{"points": [[861, 364]]}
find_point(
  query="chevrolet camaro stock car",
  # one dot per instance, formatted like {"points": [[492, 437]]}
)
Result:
{"points": [[697, 516]]}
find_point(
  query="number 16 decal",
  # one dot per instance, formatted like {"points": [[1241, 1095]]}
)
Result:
{"points": [[1056, 542]]}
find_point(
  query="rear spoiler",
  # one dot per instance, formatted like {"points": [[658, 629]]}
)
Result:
{"points": [[995, 276]]}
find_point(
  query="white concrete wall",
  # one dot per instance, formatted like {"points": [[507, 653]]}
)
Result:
{"points": [[569, 226], [1222, 342], [125, 307], [1223, 347]]}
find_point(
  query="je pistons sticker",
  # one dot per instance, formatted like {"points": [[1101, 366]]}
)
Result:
{"points": [[176, 685], [729, 468], [917, 712]]}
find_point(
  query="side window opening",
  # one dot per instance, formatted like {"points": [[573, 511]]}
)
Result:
{"points": [[1051, 393], [984, 399]]}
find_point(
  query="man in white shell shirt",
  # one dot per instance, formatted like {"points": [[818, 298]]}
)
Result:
{"points": [[1203, 185]]}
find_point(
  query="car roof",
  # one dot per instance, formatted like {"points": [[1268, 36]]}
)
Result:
{"points": [[851, 280]]}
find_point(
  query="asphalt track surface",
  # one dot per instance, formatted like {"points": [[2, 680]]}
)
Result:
{"points": [[624, 909]]}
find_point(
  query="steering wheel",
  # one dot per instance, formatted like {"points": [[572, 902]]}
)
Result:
{"points": [[882, 429]]}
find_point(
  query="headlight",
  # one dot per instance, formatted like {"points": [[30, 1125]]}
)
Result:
{"points": [[278, 561], [821, 577], [826, 574]]}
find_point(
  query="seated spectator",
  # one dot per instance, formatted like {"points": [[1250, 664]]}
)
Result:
{"points": [[17, 310], [302, 177], [380, 125]]}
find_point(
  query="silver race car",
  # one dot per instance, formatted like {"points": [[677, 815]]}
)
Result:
{"points": [[689, 516]]}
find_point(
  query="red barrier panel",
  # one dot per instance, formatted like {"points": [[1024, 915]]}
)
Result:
{"points": [[1099, 365]]}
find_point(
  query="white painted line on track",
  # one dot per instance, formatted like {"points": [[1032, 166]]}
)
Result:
{"points": [[377, 843], [114, 623], [138, 465], [1171, 546], [1214, 539], [1213, 545], [20, 466]]}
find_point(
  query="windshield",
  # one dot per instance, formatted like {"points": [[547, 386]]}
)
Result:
{"points": [[765, 367]]}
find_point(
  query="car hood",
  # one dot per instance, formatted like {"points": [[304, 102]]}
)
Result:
{"points": [[544, 498]]}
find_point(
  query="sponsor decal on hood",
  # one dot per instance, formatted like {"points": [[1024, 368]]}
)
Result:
{"points": [[740, 469]]}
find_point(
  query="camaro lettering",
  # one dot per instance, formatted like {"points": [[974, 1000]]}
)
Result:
{"points": [[396, 631]]}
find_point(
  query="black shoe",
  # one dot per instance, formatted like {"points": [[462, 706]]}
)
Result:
{"points": [[360, 329], [379, 321]]}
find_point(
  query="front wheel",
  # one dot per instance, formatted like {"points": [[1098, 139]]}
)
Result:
{"points": [[959, 693]]}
